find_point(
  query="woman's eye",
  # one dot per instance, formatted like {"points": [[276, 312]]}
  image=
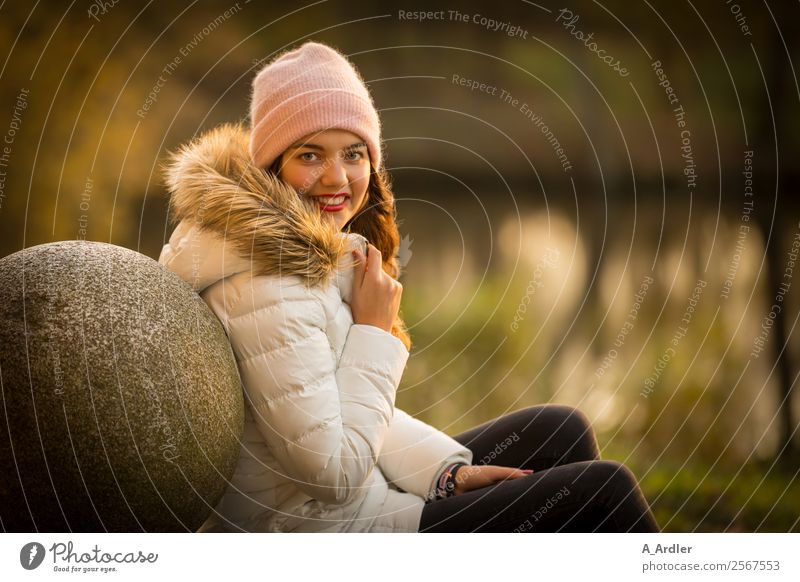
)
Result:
{"points": [[353, 155], [307, 156]]}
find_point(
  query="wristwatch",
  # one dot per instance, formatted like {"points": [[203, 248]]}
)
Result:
{"points": [[446, 487]]}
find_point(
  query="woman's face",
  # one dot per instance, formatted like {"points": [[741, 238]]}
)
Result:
{"points": [[332, 167]]}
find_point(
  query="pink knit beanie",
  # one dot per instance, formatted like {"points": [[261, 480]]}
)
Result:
{"points": [[306, 90]]}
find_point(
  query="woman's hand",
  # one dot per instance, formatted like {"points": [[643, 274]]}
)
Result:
{"points": [[376, 295], [471, 477]]}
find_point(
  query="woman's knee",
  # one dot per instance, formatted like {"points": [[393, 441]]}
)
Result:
{"points": [[573, 428], [613, 475], [575, 420], [560, 415], [620, 493]]}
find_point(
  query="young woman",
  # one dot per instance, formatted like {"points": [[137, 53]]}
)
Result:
{"points": [[287, 230]]}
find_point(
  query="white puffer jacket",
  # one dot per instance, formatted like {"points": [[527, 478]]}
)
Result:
{"points": [[324, 447]]}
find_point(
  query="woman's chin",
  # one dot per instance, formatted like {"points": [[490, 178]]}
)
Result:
{"points": [[337, 219]]}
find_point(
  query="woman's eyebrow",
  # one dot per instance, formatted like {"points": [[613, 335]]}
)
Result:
{"points": [[314, 146]]}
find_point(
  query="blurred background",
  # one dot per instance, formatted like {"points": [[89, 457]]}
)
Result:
{"points": [[598, 202]]}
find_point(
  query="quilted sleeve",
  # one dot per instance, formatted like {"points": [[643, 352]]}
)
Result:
{"points": [[325, 424], [414, 454]]}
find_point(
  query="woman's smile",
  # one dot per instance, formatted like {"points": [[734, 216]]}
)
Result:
{"points": [[332, 202]]}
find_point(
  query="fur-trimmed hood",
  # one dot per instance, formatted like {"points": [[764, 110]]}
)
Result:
{"points": [[232, 217]]}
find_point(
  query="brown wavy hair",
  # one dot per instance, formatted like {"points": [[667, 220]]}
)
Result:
{"points": [[376, 221]]}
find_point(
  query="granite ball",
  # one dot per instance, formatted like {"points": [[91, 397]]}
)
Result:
{"points": [[122, 406]]}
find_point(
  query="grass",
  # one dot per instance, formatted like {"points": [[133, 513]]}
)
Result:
{"points": [[699, 497]]}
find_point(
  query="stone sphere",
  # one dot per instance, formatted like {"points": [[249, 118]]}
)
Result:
{"points": [[122, 407]]}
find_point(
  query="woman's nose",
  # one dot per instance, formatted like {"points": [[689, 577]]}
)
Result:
{"points": [[334, 175]]}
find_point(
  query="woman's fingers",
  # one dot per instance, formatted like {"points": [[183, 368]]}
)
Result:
{"points": [[512, 473], [373, 262], [378, 278], [369, 264], [376, 295], [477, 476], [359, 267], [359, 258], [517, 473]]}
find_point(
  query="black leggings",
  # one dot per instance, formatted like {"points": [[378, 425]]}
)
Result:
{"points": [[570, 490]]}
